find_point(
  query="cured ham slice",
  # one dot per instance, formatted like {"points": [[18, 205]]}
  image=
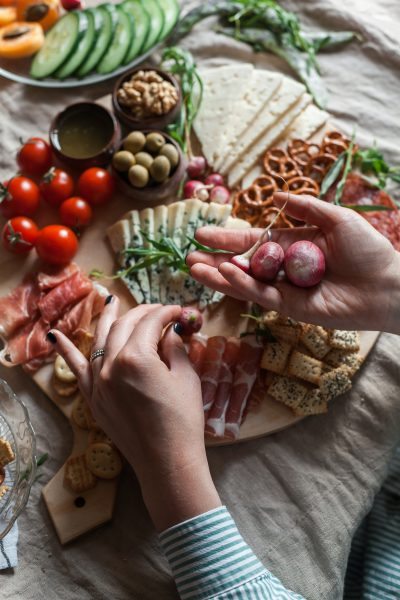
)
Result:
{"points": [[197, 351], [245, 376], [215, 424], [211, 369], [52, 277], [19, 307], [80, 316], [27, 343], [54, 303]]}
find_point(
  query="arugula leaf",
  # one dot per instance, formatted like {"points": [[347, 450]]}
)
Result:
{"points": [[367, 207], [332, 174], [199, 246], [347, 168]]}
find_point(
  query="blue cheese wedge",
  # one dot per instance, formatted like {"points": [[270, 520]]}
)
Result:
{"points": [[257, 95], [174, 278], [137, 242], [266, 140], [160, 231], [146, 217], [119, 235]]}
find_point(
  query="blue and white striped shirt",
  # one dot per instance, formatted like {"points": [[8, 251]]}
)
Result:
{"points": [[210, 560]]}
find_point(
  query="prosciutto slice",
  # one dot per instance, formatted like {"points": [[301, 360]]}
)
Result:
{"points": [[52, 277], [27, 343], [80, 316], [245, 376], [19, 307], [211, 369], [215, 424], [197, 351], [54, 303]]}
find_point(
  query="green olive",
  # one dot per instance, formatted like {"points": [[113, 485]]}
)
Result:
{"points": [[154, 142], [123, 160], [138, 176], [160, 169], [144, 158], [134, 142], [171, 153]]}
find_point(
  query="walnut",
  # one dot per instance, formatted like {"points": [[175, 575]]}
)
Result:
{"points": [[147, 94]]}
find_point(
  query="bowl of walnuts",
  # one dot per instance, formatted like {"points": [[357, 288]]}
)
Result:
{"points": [[147, 98]]}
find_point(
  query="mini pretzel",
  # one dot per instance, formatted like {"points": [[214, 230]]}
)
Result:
{"points": [[244, 211], [335, 136], [335, 147], [303, 185], [250, 196], [301, 151], [266, 186], [318, 166], [279, 164], [269, 214]]}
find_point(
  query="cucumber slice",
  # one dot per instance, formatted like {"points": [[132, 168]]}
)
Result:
{"points": [[120, 44], [82, 50], [141, 27], [59, 44], [156, 24], [107, 14], [170, 10]]}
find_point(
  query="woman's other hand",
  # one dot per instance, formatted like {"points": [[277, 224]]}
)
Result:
{"points": [[361, 286]]}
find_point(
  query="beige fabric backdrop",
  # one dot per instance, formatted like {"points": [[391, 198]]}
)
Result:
{"points": [[298, 495]]}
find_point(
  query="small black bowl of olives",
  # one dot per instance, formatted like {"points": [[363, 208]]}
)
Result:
{"points": [[149, 167]]}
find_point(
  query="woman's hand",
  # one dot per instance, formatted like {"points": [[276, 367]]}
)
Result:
{"points": [[361, 287], [147, 398]]}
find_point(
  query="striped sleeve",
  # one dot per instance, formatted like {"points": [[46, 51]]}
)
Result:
{"points": [[211, 561]]}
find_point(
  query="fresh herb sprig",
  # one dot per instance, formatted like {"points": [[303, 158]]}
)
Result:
{"points": [[180, 62], [261, 331], [267, 26]]}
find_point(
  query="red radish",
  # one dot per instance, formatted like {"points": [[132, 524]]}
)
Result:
{"points": [[191, 187], [304, 264], [241, 261], [197, 167], [220, 194], [71, 4], [267, 261], [214, 179], [190, 321]]}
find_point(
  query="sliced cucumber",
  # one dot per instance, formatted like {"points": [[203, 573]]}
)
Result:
{"points": [[170, 10], [107, 14], [82, 50], [156, 24], [120, 43], [59, 44], [141, 27]]}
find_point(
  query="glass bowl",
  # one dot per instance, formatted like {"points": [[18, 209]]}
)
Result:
{"points": [[16, 428]]}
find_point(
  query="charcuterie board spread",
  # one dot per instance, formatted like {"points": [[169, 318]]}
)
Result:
{"points": [[123, 174]]}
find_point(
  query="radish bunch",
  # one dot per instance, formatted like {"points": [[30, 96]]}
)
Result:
{"points": [[204, 188], [303, 262]]}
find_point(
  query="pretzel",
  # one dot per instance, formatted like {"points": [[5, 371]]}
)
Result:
{"points": [[279, 164], [269, 214], [301, 151], [319, 165], [250, 196], [266, 186], [303, 185], [335, 147], [335, 136]]}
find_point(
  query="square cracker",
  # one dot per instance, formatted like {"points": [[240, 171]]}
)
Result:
{"points": [[305, 367], [77, 476], [284, 333], [6, 453], [275, 357], [315, 339], [335, 383], [313, 404], [344, 340], [337, 358], [288, 391]]}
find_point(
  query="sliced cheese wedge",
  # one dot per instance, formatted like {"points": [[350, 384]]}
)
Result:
{"points": [[160, 231], [147, 226], [137, 242], [222, 86], [264, 142], [307, 123], [236, 223], [286, 96], [174, 278], [261, 88]]}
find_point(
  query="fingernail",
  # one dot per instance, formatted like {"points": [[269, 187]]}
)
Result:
{"points": [[108, 299], [178, 328], [50, 337]]}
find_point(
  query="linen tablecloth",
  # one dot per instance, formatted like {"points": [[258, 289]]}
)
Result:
{"points": [[298, 495]]}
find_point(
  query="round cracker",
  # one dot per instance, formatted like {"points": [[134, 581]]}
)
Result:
{"points": [[79, 413], [103, 461], [97, 435], [62, 371]]}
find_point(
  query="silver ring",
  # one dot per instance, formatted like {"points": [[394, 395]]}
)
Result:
{"points": [[96, 354], [269, 234]]}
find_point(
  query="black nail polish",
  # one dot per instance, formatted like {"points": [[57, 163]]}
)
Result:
{"points": [[51, 337], [108, 299], [178, 328]]}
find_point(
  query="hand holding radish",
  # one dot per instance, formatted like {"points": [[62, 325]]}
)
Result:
{"points": [[361, 286]]}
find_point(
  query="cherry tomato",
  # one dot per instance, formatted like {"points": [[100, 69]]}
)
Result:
{"points": [[76, 212], [96, 185], [19, 235], [19, 197], [56, 186], [56, 244], [34, 157]]}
